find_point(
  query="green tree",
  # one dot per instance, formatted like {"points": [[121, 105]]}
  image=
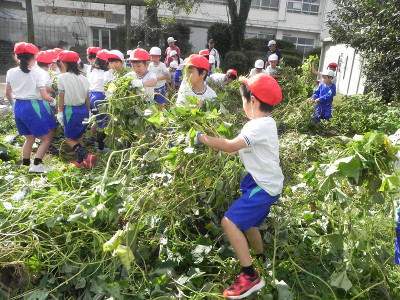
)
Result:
{"points": [[238, 21], [373, 28], [223, 41]]}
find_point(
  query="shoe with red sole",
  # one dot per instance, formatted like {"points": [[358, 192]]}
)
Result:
{"points": [[244, 286], [79, 165], [90, 161]]}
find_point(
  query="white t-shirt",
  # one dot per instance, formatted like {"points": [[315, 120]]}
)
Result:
{"points": [[75, 88], [108, 76], [186, 90], [46, 77], [253, 72], [25, 86], [96, 80], [261, 157], [149, 91], [217, 78], [272, 71], [214, 52], [160, 70]]}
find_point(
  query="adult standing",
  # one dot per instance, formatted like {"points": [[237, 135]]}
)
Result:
{"points": [[171, 46], [214, 52], [273, 50]]}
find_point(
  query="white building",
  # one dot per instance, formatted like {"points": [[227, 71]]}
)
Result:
{"points": [[299, 21]]}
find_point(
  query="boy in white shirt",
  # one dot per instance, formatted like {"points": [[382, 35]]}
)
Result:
{"points": [[196, 73], [222, 78], [145, 79], [162, 74], [258, 147], [272, 68], [258, 68]]}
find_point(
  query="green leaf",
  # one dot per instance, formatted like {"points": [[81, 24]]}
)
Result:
{"points": [[341, 281], [199, 252], [389, 182], [126, 256], [113, 243], [284, 292], [81, 283], [349, 166], [150, 156], [39, 295]]}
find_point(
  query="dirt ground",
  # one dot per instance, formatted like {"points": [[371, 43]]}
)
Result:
{"points": [[3, 89]]}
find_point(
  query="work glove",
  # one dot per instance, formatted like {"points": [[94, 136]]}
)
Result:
{"points": [[196, 138], [60, 118], [53, 102], [137, 83]]}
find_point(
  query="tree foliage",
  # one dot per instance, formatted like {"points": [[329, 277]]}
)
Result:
{"points": [[372, 27], [217, 31], [238, 21]]}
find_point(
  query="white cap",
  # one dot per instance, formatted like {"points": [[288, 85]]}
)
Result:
{"points": [[117, 53], [128, 52], [174, 64], [171, 39], [329, 73], [259, 64], [211, 59], [273, 57], [172, 53], [271, 42], [155, 51]]}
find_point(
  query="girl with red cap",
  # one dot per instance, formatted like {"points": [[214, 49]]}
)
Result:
{"points": [[31, 116], [74, 107], [258, 148]]}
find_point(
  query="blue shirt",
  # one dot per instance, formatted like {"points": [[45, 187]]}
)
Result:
{"points": [[325, 94]]}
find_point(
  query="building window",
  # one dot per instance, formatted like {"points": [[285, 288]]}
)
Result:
{"points": [[309, 7], [265, 4], [302, 44], [105, 38], [259, 36]]}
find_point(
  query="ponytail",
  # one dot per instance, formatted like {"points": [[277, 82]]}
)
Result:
{"points": [[24, 59], [73, 68]]}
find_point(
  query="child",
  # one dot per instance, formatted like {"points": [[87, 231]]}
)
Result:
{"points": [[258, 148], [96, 76], [258, 68], [272, 67], [332, 66], [172, 69], [178, 73], [222, 78], [74, 107], [171, 47], [162, 74], [196, 76], [145, 79], [44, 59], [30, 115], [323, 97], [91, 57], [116, 63]]}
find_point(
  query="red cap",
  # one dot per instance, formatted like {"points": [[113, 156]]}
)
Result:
{"points": [[23, 47], [53, 54], [58, 50], [335, 65], [204, 52], [92, 50], [232, 71], [44, 57], [102, 54], [68, 56], [265, 88], [139, 54], [197, 60]]}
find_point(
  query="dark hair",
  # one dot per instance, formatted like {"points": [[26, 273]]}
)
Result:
{"points": [[231, 76], [24, 58], [138, 61], [245, 92], [92, 55], [72, 67], [114, 59], [100, 64], [42, 64], [200, 71]]}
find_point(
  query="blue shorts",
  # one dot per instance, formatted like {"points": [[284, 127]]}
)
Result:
{"points": [[159, 94], [97, 101], [73, 118], [31, 118], [397, 239], [253, 207], [49, 114]]}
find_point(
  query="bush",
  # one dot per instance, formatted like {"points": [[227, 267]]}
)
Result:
{"points": [[220, 32], [235, 60], [252, 56], [292, 61]]}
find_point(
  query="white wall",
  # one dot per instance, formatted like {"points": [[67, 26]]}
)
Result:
{"points": [[198, 38]]}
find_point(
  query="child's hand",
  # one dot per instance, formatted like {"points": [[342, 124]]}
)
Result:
{"points": [[316, 100]]}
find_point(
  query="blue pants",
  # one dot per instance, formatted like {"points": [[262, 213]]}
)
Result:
{"points": [[73, 118], [97, 101]]}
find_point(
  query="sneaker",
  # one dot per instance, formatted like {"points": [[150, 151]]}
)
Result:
{"points": [[90, 161], [105, 150], [244, 286], [79, 165], [53, 150], [40, 168]]}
